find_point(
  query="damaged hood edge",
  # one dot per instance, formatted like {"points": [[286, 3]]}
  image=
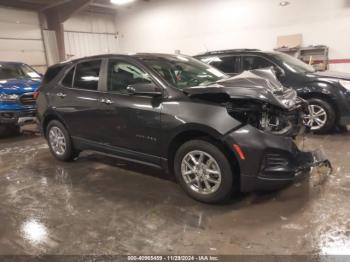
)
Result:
{"points": [[261, 85]]}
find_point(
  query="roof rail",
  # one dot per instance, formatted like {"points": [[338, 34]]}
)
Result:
{"points": [[229, 51]]}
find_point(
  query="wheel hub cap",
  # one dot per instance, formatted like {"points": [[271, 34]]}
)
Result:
{"points": [[201, 172], [57, 141], [316, 118]]}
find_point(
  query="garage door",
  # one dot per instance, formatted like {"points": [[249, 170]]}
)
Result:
{"points": [[20, 38]]}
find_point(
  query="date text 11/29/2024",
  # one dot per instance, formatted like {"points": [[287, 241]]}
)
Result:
{"points": [[173, 258]]}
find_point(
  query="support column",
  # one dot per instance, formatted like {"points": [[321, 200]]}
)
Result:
{"points": [[57, 14]]}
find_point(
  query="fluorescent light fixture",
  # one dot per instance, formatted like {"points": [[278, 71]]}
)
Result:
{"points": [[284, 3], [121, 2]]}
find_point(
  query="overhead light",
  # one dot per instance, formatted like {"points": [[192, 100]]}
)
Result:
{"points": [[284, 3], [121, 2]]}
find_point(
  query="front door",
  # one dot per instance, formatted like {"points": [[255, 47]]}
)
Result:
{"points": [[131, 122]]}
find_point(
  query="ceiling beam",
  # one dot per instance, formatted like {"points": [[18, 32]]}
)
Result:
{"points": [[57, 14], [66, 9]]}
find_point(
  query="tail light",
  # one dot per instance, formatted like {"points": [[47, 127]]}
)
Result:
{"points": [[36, 94]]}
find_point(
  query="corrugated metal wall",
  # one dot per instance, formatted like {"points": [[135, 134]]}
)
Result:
{"points": [[80, 44], [90, 34], [20, 38], [85, 34]]}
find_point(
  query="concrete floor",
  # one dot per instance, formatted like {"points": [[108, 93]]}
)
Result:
{"points": [[99, 205]]}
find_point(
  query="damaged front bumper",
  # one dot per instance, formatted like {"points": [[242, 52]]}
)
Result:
{"points": [[272, 162]]}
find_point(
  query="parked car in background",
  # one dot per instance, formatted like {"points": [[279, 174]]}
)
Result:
{"points": [[18, 84], [328, 93], [217, 134]]}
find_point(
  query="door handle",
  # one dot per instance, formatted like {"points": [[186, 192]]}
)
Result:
{"points": [[106, 101], [61, 95]]}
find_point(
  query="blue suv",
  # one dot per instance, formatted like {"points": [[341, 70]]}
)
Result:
{"points": [[18, 85]]}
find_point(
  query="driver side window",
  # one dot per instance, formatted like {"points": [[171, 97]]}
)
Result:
{"points": [[122, 74]]}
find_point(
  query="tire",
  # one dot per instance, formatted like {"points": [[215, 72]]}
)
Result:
{"points": [[329, 112], [15, 129], [222, 190], [9, 130], [3, 130], [63, 154]]}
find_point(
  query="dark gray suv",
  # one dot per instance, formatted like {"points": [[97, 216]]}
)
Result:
{"points": [[216, 134]]}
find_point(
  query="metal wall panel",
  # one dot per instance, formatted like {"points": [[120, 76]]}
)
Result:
{"points": [[20, 38], [81, 44]]}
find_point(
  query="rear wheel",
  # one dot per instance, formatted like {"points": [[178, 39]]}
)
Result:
{"points": [[321, 117], [59, 141], [203, 171]]}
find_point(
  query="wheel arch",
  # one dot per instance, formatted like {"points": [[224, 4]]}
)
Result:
{"points": [[48, 118], [203, 134], [325, 97]]}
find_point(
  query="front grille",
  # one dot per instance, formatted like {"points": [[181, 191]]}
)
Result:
{"points": [[27, 99]]}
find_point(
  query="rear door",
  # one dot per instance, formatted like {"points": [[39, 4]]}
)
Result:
{"points": [[77, 99]]}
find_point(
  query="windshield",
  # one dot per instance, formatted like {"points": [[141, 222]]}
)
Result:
{"points": [[10, 71], [293, 64], [183, 71]]}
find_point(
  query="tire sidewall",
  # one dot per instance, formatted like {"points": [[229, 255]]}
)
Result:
{"points": [[226, 186], [68, 155]]}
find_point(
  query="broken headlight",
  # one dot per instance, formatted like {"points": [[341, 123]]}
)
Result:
{"points": [[265, 117]]}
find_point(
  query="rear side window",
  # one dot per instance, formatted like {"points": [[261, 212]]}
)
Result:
{"points": [[227, 64], [255, 62], [51, 73], [68, 79], [87, 75]]}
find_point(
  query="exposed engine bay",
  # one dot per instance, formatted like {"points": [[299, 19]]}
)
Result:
{"points": [[267, 117], [257, 98]]}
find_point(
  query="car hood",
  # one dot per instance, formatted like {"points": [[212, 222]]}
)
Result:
{"points": [[260, 84], [19, 86]]}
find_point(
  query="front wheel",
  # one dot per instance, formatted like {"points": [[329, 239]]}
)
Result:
{"points": [[9, 130], [59, 141], [203, 171], [321, 117]]}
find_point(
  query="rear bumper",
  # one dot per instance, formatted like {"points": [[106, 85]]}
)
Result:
{"points": [[271, 162], [15, 117]]}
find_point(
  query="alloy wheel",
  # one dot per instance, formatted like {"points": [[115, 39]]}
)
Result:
{"points": [[57, 141], [201, 172], [316, 118]]}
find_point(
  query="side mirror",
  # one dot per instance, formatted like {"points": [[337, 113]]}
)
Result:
{"points": [[144, 89]]}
